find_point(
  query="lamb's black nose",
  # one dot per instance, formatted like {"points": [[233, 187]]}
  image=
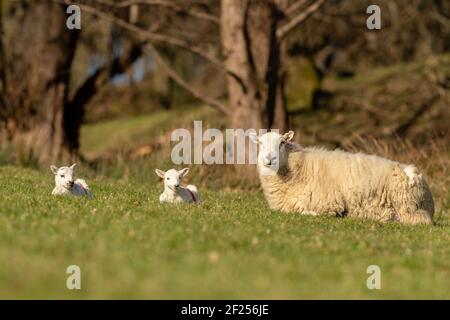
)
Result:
{"points": [[177, 185], [71, 183]]}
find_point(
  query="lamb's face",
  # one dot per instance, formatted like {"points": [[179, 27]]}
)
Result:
{"points": [[64, 176], [272, 154], [172, 178]]}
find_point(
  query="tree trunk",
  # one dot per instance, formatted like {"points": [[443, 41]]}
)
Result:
{"points": [[2, 68], [38, 77], [75, 109], [254, 56]]}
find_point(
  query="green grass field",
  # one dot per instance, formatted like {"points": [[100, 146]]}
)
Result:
{"points": [[231, 246], [128, 245]]}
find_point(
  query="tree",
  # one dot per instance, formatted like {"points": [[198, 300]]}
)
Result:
{"points": [[75, 107], [37, 73], [2, 63], [37, 114], [254, 53], [253, 43]]}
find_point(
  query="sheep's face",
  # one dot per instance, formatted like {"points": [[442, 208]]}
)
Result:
{"points": [[64, 176], [172, 178], [272, 153]]}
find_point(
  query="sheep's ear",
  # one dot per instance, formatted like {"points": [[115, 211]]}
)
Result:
{"points": [[253, 137], [288, 136], [183, 172], [54, 169], [160, 173], [73, 166]]}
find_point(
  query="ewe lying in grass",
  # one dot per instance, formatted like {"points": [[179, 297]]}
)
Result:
{"points": [[321, 182], [173, 191], [65, 183]]}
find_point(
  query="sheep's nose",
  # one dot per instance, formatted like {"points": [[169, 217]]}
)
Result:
{"points": [[267, 161], [177, 185], [71, 183]]}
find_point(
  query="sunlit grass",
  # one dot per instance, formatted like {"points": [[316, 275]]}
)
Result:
{"points": [[231, 246], [131, 132]]}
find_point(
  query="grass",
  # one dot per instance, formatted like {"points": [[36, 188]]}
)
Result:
{"points": [[372, 76], [130, 132], [232, 246]]}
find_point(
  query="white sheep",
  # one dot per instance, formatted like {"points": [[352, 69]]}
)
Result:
{"points": [[173, 191], [316, 181], [65, 183]]}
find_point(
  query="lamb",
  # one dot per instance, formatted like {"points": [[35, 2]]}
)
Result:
{"points": [[173, 191], [316, 181], [65, 183]]}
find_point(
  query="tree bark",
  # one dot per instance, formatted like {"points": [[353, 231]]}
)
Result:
{"points": [[253, 53], [75, 108], [38, 79], [2, 68]]}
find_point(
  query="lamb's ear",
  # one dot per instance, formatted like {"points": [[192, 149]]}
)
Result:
{"points": [[54, 169], [253, 137], [73, 166], [288, 136], [160, 173], [183, 172]]}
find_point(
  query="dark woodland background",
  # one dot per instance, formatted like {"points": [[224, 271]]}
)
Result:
{"points": [[312, 66]]}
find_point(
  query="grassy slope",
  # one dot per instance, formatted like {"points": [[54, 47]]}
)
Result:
{"points": [[123, 133], [232, 246]]}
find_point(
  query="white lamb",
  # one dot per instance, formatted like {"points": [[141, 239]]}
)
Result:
{"points": [[173, 191], [65, 183], [316, 181]]}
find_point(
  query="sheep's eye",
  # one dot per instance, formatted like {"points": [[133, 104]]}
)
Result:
{"points": [[167, 178], [62, 176]]}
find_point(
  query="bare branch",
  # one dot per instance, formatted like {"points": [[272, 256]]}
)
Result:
{"points": [[2, 65], [403, 129], [294, 7], [297, 20], [182, 83], [102, 76], [151, 36], [156, 37], [75, 109], [174, 6]]}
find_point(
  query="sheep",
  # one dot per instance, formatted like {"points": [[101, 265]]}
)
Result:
{"points": [[65, 183], [173, 191], [316, 181]]}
